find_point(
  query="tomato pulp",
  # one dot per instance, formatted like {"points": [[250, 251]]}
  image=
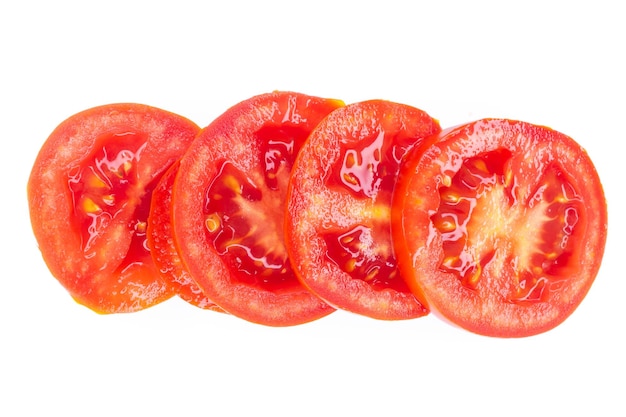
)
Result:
{"points": [[500, 226], [338, 230], [89, 199], [228, 208]]}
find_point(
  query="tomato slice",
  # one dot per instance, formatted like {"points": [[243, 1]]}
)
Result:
{"points": [[161, 243], [228, 208], [338, 231], [89, 199], [500, 226]]}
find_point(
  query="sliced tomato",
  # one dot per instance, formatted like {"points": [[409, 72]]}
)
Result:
{"points": [[500, 226], [161, 244], [89, 198], [228, 208], [338, 231]]}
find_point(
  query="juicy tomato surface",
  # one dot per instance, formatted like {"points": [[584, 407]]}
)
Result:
{"points": [[162, 247], [338, 230], [229, 208], [89, 198], [500, 226]]}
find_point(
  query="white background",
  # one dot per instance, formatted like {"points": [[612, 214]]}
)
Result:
{"points": [[558, 64]]}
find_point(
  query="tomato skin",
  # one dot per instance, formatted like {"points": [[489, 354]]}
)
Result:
{"points": [[88, 195], [228, 208], [338, 230], [525, 253], [162, 248]]}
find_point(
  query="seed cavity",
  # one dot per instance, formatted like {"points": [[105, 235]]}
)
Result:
{"points": [[480, 213], [245, 229], [364, 256], [108, 172]]}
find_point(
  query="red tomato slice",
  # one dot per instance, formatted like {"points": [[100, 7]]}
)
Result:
{"points": [[339, 200], [228, 208], [161, 244], [500, 226], [89, 199]]}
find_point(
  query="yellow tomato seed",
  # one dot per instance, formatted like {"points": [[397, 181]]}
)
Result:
{"points": [[89, 206], [212, 223]]}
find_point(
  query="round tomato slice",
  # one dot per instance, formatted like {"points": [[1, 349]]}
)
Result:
{"points": [[500, 226], [338, 231], [228, 208], [161, 244], [89, 199]]}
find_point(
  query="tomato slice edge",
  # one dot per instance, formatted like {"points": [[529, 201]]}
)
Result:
{"points": [[163, 250]]}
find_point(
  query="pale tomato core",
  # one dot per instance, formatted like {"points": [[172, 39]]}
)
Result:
{"points": [[244, 211], [479, 215]]}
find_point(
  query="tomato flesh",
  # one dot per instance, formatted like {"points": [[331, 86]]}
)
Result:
{"points": [[501, 226], [244, 221], [350, 252], [229, 208], [279, 145], [89, 199], [102, 185], [368, 170], [339, 200], [481, 199]]}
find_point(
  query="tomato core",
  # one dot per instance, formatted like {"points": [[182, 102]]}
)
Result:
{"points": [[245, 231], [480, 214], [244, 214], [103, 184]]}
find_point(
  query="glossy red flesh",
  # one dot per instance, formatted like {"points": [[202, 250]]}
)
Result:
{"points": [[339, 203], [103, 185], [502, 226], [242, 220], [229, 208], [465, 204], [89, 198], [368, 170]]}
